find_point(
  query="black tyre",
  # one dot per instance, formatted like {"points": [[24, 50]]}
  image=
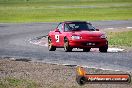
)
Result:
{"points": [[86, 49], [81, 80], [67, 47], [103, 49], [50, 46]]}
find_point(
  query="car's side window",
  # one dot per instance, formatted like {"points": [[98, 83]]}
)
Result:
{"points": [[60, 27]]}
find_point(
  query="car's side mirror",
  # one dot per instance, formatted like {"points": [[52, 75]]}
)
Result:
{"points": [[57, 30], [97, 29]]}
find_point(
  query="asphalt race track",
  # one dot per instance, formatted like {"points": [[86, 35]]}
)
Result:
{"points": [[15, 42]]}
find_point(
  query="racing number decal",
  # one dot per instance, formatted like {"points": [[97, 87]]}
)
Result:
{"points": [[57, 38]]}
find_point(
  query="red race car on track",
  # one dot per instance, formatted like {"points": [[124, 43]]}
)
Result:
{"points": [[77, 34]]}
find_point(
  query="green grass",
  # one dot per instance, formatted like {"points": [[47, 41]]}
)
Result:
{"points": [[60, 10], [17, 83], [120, 38]]}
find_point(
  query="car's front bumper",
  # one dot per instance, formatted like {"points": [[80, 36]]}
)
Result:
{"points": [[88, 43]]}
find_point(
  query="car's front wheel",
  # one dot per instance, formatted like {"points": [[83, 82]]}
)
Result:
{"points": [[103, 49], [50, 46], [67, 47]]}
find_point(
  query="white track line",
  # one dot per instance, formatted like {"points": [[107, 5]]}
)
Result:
{"points": [[109, 28], [44, 43]]}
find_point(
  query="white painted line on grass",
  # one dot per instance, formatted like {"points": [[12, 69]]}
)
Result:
{"points": [[129, 27], [115, 50]]}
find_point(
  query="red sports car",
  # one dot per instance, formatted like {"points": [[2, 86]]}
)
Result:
{"points": [[77, 34]]}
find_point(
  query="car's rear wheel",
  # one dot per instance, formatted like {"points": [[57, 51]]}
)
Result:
{"points": [[67, 47], [86, 49], [50, 46], [103, 49]]}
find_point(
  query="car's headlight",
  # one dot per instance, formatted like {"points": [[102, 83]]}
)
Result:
{"points": [[75, 37], [103, 36]]}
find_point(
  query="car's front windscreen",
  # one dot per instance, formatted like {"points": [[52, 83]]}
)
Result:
{"points": [[79, 26]]}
